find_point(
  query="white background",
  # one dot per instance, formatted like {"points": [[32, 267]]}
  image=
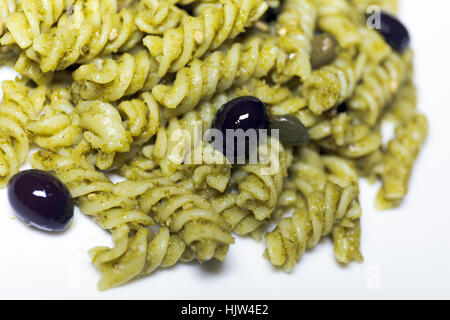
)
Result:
{"points": [[406, 251]]}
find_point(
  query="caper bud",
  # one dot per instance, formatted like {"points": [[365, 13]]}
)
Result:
{"points": [[292, 132], [324, 50]]}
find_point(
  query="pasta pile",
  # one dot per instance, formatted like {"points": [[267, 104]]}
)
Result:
{"points": [[109, 86]]}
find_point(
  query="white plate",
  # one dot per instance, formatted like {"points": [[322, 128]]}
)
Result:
{"points": [[406, 251]]}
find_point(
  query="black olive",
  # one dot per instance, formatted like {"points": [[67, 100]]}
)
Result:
{"points": [[245, 113], [324, 50], [394, 32], [291, 132], [41, 200]]}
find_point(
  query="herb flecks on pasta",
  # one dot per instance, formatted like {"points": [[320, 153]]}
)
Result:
{"points": [[25, 20], [215, 24], [295, 27], [21, 104], [156, 16], [400, 155], [82, 33], [111, 79], [218, 72], [131, 89]]}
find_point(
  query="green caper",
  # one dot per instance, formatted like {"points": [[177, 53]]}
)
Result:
{"points": [[291, 131], [324, 50]]}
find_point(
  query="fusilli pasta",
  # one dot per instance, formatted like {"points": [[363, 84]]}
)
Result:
{"points": [[24, 20], [219, 72], [130, 89], [113, 78], [296, 25], [196, 35], [401, 153], [82, 34]]}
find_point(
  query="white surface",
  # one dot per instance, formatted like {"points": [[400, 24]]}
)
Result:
{"points": [[406, 250]]}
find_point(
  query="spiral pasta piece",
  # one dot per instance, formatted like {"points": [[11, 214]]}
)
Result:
{"points": [[20, 104], [82, 34], [379, 86], [177, 47], [241, 220], [259, 190], [331, 85], [373, 45], [111, 136], [24, 20], [313, 219], [370, 141], [342, 173], [136, 251], [402, 107], [296, 25], [192, 217], [400, 155], [144, 253], [208, 168], [32, 70], [218, 72], [330, 188], [133, 122], [340, 19], [311, 171], [114, 78], [340, 132], [156, 16], [57, 126], [347, 239]]}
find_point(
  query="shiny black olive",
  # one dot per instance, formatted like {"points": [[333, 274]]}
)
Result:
{"points": [[324, 50], [291, 132], [245, 113], [41, 200], [394, 32]]}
